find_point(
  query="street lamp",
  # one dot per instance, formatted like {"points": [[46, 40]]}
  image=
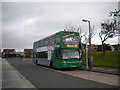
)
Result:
{"points": [[90, 59]]}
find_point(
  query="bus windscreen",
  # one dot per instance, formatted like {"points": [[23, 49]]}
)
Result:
{"points": [[70, 40]]}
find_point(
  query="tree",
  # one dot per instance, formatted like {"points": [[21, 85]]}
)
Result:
{"points": [[109, 28]]}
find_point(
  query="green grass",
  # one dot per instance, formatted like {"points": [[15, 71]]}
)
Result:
{"points": [[109, 59]]}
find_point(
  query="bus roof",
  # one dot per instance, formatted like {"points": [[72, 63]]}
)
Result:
{"points": [[65, 31]]}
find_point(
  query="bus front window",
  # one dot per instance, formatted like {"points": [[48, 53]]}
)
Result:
{"points": [[70, 54], [74, 39], [70, 40]]}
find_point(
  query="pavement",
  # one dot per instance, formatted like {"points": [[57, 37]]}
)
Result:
{"points": [[12, 78], [106, 70]]}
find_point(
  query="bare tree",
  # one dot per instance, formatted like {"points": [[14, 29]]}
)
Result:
{"points": [[83, 36], [70, 27], [109, 28], [92, 32]]}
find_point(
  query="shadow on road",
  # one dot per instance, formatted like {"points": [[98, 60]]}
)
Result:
{"points": [[62, 69]]}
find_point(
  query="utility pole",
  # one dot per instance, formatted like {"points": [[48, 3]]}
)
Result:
{"points": [[86, 54], [90, 58]]}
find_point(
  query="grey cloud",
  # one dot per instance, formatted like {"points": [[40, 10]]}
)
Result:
{"points": [[26, 22], [0, 25]]}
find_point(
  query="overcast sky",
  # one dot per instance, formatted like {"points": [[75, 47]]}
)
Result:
{"points": [[25, 22]]}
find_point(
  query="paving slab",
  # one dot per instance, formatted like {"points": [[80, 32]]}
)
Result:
{"points": [[12, 78]]}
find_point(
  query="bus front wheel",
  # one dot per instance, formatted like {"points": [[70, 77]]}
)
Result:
{"points": [[51, 64]]}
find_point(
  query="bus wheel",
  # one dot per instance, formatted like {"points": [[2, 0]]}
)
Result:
{"points": [[36, 62], [51, 65]]}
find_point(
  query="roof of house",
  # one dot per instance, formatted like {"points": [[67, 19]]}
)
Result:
{"points": [[8, 50], [116, 46], [30, 50]]}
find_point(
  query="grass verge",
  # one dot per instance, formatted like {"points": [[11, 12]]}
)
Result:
{"points": [[109, 59]]}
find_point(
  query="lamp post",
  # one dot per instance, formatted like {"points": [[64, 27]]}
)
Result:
{"points": [[89, 59]]}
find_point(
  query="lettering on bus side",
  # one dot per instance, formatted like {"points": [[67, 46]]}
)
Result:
{"points": [[45, 48], [42, 49]]}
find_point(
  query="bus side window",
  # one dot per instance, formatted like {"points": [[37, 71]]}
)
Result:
{"points": [[34, 45], [53, 40], [42, 55], [58, 56], [57, 39]]}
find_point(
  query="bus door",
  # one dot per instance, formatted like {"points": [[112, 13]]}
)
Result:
{"points": [[49, 54]]}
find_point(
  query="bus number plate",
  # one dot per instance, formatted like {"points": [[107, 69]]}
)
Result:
{"points": [[73, 66]]}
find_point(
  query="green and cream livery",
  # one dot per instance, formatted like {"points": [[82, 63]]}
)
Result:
{"points": [[60, 50]]}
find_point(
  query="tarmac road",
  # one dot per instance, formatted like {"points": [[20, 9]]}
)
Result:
{"points": [[47, 78], [0, 73]]}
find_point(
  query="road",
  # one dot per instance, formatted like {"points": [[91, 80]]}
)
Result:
{"points": [[0, 73], [43, 77]]}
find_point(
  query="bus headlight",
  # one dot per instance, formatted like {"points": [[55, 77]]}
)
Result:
{"points": [[63, 62], [80, 62]]}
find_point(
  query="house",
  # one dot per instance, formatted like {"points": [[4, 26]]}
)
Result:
{"points": [[28, 52], [112, 48], [7, 53], [116, 47], [107, 47], [93, 47]]}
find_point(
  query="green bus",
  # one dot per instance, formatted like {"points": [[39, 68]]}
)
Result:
{"points": [[60, 50]]}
